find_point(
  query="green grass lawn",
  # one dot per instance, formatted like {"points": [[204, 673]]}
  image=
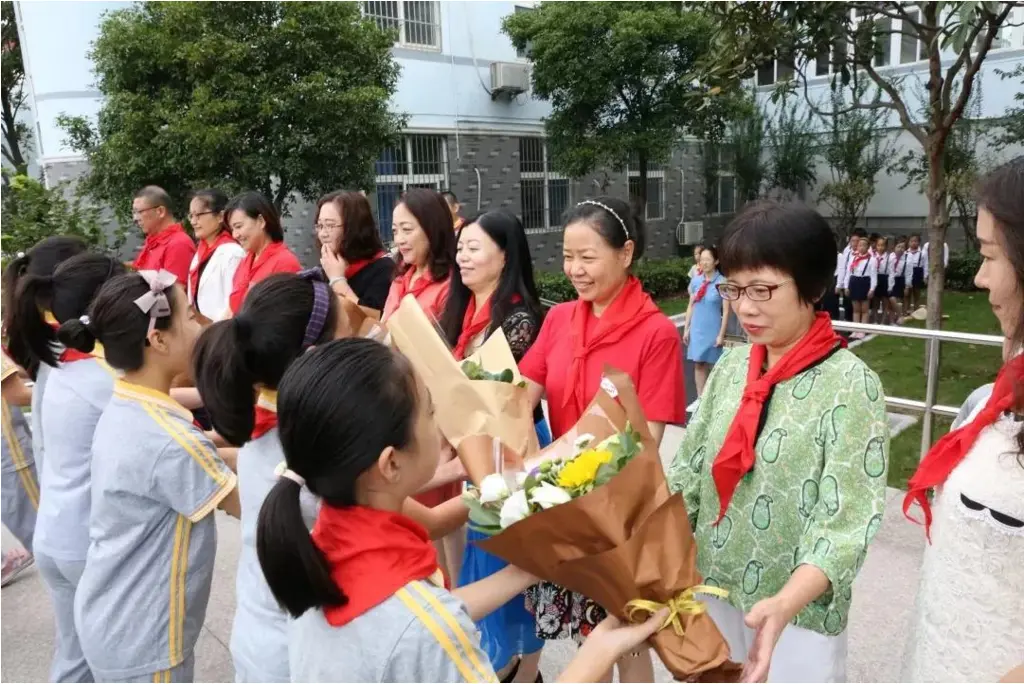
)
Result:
{"points": [[899, 362], [671, 306]]}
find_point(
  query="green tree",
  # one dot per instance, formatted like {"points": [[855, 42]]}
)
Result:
{"points": [[746, 134], [31, 211], [621, 81], [16, 133], [856, 148], [853, 39], [793, 149], [279, 97], [1013, 125]]}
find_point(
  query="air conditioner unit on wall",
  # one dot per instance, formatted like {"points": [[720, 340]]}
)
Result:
{"points": [[509, 79], [690, 232]]}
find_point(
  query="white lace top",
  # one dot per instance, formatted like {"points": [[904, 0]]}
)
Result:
{"points": [[969, 617]]}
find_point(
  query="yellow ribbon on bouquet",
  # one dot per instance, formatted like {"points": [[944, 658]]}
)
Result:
{"points": [[683, 604]]}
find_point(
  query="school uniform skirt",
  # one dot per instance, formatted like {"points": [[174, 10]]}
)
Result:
{"points": [[898, 287], [917, 279], [859, 288], [883, 285]]}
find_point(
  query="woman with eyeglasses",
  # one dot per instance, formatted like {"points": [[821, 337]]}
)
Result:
{"points": [[217, 257], [255, 223], [783, 466], [352, 256]]}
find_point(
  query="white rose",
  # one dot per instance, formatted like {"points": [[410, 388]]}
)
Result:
{"points": [[547, 495], [514, 509], [521, 478], [493, 488]]}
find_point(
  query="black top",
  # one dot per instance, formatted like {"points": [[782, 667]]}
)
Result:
{"points": [[521, 328], [372, 283]]}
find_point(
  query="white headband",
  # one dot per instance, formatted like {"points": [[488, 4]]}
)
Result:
{"points": [[611, 211]]}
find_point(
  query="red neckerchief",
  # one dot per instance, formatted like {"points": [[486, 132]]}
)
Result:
{"points": [[154, 241], [473, 323], [406, 286], [356, 266], [901, 262], [265, 414], [631, 308], [702, 290], [371, 554], [857, 261], [879, 258], [946, 454], [247, 270], [737, 455], [203, 253]]}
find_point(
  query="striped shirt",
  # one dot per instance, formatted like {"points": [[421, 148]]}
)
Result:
{"points": [[156, 480]]}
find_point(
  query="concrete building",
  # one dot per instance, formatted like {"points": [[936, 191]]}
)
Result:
{"points": [[473, 128]]}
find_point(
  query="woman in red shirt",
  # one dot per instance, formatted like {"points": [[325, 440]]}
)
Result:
{"points": [[613, 322], [256, 226], [426, 251]]}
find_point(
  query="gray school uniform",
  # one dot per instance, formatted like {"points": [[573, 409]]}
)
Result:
{"points": [[153, 539], [19, 487], [36, 417], [978, 396], [259, 636], [422, 633], [76, 394]]}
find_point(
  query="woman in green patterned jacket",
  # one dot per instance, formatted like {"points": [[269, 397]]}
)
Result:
{"points": [[783, 467]]}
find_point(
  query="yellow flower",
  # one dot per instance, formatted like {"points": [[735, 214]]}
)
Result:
{"points": [[582, 470]]}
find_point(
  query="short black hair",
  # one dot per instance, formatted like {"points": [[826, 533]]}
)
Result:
{"points": [[254, 205], [156, 196], [859, 233], [790, 237]]}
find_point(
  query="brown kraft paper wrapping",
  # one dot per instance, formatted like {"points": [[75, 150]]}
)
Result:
{"points": [[471, 413], [628, 539], [362, 321]]}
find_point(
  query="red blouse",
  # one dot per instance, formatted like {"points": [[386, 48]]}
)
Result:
{"points": [[275, 258], [431, 294], [651, 353], [171, 249]]}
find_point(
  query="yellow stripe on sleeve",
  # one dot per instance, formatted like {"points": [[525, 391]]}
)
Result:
{"points": [[210, 457], [28, 481], [455, 627], [179, 436], [464, 668], [172, 610]]}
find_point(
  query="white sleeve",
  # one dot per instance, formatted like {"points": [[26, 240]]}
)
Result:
{"points": [[217, 280], [873, 274], [945, 254], [924, 260], [846, 275]]}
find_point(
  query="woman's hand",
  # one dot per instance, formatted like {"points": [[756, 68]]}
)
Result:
{"points": [[767, 618], [333, 264], [686, 335], [871, 295], [609, 641]]}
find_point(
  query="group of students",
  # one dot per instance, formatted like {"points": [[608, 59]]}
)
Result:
{"points": [[878, 285], [128, 363]]}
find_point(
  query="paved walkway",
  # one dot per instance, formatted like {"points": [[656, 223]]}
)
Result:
{"points": [[883, 600]]}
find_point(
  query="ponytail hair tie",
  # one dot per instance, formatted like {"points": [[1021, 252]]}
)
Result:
{"points": [[84, 320], [282, 470]]}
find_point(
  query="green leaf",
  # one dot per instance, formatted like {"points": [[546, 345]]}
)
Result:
{"points": [[481, 514]]}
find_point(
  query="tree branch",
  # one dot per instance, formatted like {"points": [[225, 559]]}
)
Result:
{"points": [[899, 12], [897, 104], [972, 69], [856, 106], [963, 58]]}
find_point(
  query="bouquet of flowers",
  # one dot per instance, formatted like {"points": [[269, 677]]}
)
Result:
{"points": [[484, 399], [593, 513]]}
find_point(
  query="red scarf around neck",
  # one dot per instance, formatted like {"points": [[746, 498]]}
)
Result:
{"points": [[737, 455], [857, 261], [946, 454], [630, 308], [372, 554], [356, 266], [473, 323], [204, 251], [69, 355], [879, 258], [265, 414], [406, 286], [703, 289]]}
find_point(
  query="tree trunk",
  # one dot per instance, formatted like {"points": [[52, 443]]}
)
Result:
{"points": [[938, 223], [11, 137], [642, 194]]}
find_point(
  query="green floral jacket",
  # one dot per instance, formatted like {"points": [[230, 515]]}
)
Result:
{"points": [[816, 492]]}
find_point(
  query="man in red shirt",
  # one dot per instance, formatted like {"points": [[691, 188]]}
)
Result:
{"points": [[167, 245]]}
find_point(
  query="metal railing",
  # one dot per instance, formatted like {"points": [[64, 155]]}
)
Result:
{"points": [[928, 408]]}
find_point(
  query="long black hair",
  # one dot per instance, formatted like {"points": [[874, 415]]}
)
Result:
{"points": [[255, 347], [339, 407], [432, 213], [67, 293], [41, 260], [516, 287], [116, 322], [254, 205]]}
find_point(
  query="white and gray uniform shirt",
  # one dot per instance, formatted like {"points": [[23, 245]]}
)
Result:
{"points": [[422, 633], [156, 480], [20, 489], [36, 417], [76, 394], [17, 440], [259, 636], [913, 260]]}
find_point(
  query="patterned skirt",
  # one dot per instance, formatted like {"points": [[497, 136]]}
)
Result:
{"points": [[562, 614]]}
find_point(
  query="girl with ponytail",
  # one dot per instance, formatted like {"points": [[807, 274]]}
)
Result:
{"points": [[79, 385], [237, 365], [156, 480], [356, 426]]}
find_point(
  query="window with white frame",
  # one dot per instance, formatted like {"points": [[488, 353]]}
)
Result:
{"points": [[655, 209], [775, 71], [912, 48], [525, 52], [418, 23], [418, 161], [544, 194], [722, 198]]}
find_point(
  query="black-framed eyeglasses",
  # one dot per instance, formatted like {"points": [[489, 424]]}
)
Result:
{"points": [[326, 226], [193, 217], [755, 293]]}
